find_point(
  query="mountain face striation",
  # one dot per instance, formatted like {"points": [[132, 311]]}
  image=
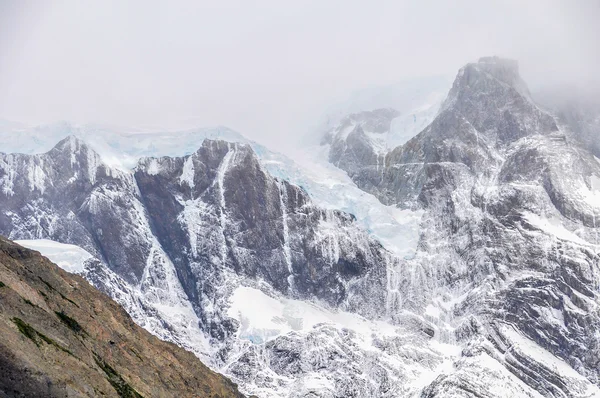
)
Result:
{"points": [[509, 243], [173, 239], [291, 298]]}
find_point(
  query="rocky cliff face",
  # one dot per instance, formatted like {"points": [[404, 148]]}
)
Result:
{"points": [[215, 207], [232, 213], [175, 238], [61, 337], [509, 248]]}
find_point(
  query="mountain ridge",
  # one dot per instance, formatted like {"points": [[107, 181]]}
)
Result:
{"points": [[174, 238], [499, 298], [509, 211]]}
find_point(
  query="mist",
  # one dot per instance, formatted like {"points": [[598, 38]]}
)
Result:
{"points": [[268, 69]]}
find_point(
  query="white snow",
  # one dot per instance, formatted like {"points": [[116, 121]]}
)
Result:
{"points": [[153, 168], [536, 353], [119, 147], [191, 218], [432, 311], [286, 235], [36, 177], [316, 383], [222, 170], [332, 188], [187, 174], [407, 125], [552, 226], [71, 258], [263, 317], [591, 196]]}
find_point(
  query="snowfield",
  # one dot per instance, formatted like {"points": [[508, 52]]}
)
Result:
{"points": [[71, 258]]}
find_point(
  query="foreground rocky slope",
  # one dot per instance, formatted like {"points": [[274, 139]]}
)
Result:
{"points": [[62, 337]]}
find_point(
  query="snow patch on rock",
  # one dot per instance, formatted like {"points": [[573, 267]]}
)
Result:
{"points": [[71, 258]]}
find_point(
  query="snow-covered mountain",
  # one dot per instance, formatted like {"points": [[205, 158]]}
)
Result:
{"points": [[413, 99], [508, 250], [462, 261], [385, 117], [178, 240]]}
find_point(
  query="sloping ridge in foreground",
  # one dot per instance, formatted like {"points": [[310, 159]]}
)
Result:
{"points": [[61, 337]]}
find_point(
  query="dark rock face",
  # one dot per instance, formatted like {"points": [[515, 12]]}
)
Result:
{"points": [[69, 195], [351, 148], [61, 337], [201, 215], [510, 222], [231, 213], [491, 96]]}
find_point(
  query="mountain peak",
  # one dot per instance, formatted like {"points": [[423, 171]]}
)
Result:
{"points": [[70, 143], [487, 72], [503, 69], [77, 151], [493, 98], [499, 61], [74, 153], [217, 149]]}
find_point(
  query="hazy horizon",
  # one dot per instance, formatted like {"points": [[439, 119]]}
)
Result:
{"points": [[270, 69]]}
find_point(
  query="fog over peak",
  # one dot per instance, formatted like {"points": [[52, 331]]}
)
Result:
{"points": [[268, 69]]}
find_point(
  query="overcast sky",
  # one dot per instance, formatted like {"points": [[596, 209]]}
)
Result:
{"points": [[264, 68]]}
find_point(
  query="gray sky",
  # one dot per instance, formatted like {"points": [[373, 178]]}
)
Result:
{"points": [[264, 67]]}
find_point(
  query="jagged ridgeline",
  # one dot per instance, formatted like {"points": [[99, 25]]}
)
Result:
{"points": [[175, 238], [62, 337], [294, 299], [509, 232]]}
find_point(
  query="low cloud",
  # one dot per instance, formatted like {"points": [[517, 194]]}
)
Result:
{"points": [[266, 68]]}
